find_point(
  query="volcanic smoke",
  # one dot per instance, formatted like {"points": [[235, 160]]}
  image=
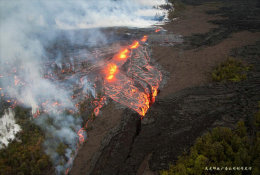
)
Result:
{"points": [[35, 74]]}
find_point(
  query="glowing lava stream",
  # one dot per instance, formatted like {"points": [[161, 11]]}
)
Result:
{"points": [[111, 71], [122, 86], [129, 79], [158, 30]]}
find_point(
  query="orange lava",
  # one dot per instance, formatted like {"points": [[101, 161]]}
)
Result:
{"points": [[123, 54], [110, 77], [81, 135], [96, 111], [144, 39], [154, 92], [111, 71], [157, 30], [135, 45], [99, 103], [123, 89]]}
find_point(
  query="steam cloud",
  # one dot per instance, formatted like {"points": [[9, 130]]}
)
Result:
{"points": [[8, 128], [27, 28]]}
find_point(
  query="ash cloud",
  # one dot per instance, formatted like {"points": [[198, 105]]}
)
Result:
{"points": [[28, 27]]}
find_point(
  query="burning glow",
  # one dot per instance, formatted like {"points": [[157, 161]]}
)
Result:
{"points": [[144, 39], [99, 103], [111, 71], [81, 135], [157, 30], [154, 94], [110, 77], [96, 111], [123, 54], [58, 80], [124, 89], [135, 45], [135, 85]]}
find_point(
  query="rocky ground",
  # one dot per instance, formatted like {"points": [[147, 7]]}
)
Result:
{"points": [[174, 122], [189, 104]]}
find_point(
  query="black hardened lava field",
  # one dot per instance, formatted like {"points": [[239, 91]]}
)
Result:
{"points": [[129, 87]]}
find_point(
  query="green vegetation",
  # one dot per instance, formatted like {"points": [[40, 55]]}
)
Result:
{"points": [[231, 70], [222, 147], [25, 155], [177, 10]]}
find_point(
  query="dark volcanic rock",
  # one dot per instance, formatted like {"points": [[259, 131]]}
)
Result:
{"points": [[238, 15], [172, 124], [117, 144]]}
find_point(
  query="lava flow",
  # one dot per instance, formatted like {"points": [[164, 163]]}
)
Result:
{"points": [[157, 30], [125, 75], [123, 54], [111, 71], [135, 87]]}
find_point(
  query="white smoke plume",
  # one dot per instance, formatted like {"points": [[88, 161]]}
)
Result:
{"points": [[28, 27], [8, 128]]}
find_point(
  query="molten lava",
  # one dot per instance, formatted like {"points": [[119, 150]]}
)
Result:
{"points": [[111, 71], [81, 135], [144, 39], [127, 78], [110, 77], [137, 87], [157, 30], [99, 103], [123, 54], [135, 45]]}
